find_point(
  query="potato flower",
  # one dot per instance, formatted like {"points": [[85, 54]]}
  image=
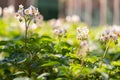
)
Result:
{"points": [[56, 23], [59, 28], [29, 14], [84, 43], [60, 31], [111, 34], [82, 33]]}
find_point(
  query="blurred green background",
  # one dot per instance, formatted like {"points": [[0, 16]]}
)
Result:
{"points": [[48, 8]]}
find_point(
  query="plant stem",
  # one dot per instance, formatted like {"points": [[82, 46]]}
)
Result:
{"points": [[105, 53], [29, 73], [81, 59], [27, 22], [26, 34]]}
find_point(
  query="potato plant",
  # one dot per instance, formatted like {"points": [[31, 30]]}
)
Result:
{"points": [[57, 49]]}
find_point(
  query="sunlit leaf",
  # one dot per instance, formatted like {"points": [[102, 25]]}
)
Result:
{"points": [[52, 63]]}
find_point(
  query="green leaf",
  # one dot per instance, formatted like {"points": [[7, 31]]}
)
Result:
{"points": [[3, 42], [116, 63], [22, 61], [22, 78], [92, 59], [41, 77], [50, 63], [19, 72]]}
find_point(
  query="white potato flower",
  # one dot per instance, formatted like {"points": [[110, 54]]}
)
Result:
{"points": [[110, 34], [27, 11], [21, 7], [82, 33], [31, 13], [84, 43]]}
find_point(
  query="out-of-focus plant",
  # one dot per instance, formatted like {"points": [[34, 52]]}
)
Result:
{"points": [[20, 53], [82, 35], [108, 36], [58, 28]]}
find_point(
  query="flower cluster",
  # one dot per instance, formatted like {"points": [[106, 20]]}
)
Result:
{"points": [[58, 27], [29, 14], [61, 31], [56, 23], [82, 33], [111, 34]]}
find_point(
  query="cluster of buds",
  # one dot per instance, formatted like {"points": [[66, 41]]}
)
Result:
{"points": [[82, 33], [111, 34], [29, 14]]}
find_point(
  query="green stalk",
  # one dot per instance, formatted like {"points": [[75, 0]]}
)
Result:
{"points": [[27, 23], [26, 34], [105, 53]]}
